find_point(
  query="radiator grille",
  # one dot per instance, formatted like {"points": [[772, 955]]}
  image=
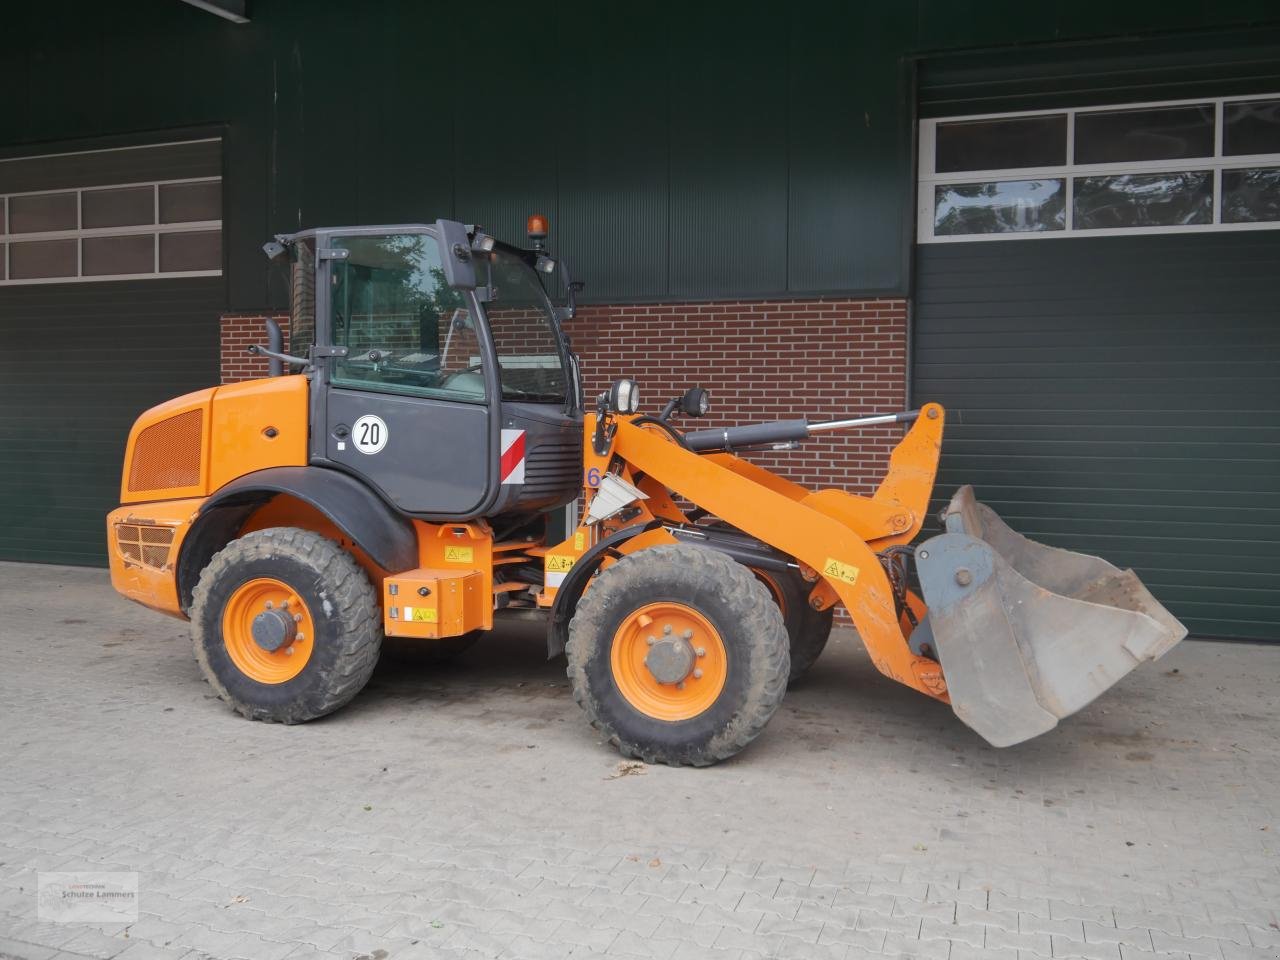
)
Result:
{"points": [[144, 544], [552, 473], [167, 454]]}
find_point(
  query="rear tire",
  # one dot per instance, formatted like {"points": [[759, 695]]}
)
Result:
{"points": [[807, 629], [732, 687], [329, 594]]}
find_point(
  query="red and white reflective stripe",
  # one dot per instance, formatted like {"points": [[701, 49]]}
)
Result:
{"points": [[512, 463]]}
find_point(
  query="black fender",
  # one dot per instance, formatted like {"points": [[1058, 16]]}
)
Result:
{"points": [[575, 584], [373, 525]]}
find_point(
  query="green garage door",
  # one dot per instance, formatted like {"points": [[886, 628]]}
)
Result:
{"points": [[78, 362], [1120, 396]]}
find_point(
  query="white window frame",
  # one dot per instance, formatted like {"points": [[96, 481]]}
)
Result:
{"points": [[156, 229], [928, 178]]}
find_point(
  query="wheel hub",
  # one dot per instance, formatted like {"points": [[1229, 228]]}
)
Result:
{"points": [[670, 659], [272, 629]]}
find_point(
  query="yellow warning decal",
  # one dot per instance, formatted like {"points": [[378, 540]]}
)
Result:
{"points": [[840, 571], [579, 542], [424, 614], [459, 555], [559, 563]]}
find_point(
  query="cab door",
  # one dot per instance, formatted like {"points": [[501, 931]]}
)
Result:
{"points": [[406, 407]]}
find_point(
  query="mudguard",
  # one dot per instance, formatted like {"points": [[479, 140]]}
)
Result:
{"points": [[1028, 634], [385, 535]]}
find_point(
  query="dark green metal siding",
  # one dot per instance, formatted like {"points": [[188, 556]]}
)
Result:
{"points": [[1119, 397], [78, 363], [707, 150]]}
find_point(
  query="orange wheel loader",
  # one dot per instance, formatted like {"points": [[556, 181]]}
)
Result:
{"points": [[396, 474]]}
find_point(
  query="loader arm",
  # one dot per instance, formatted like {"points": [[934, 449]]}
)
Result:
{"points": [[829, 532]]}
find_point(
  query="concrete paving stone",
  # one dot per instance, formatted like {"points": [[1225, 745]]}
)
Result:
{"points": [[1139, 937], [889, 888], [962, 951], [631, 944], [1268, 936], [144, 951], [870, 940], [1031, 905], [1201, 947], [819, 913], [806, 930], [484, 942], [972, 934], [1235, 932], [1071, 929], [765, 886], [738, 920], [874, 920], [653, 887], [879, 902], [787, 948], [1006, 919], [92, 943], [785, 909], [725, 899], [785, 871], [656, 907], [1164, 922], [1234, 951], [977, 899], [524, 948], [24, 951], [689, 950], [1062, 910], [595, 937], [1065, 947], [1037, 943], [945, 911], [909, 948], [702, 934], [817, 893]]}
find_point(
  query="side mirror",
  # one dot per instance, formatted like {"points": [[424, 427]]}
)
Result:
{"points": [[455, 253]]}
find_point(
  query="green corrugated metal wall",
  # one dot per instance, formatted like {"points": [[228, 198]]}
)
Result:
{"points": [[1117, 395], [1120, 397], [78, 362]]}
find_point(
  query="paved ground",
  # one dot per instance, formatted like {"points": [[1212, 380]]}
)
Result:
{"points": [[470, 812]]}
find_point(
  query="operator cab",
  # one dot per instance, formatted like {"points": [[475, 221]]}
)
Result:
{"points": [[439, 371]]}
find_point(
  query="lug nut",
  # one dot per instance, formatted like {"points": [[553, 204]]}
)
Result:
{"points": [[697, 674], [284, 604], [964, 577], [667, 628], [701, 651], [680, 685], [270, 604], [289, 650], [297, 618], [652, 641], [688, 634]]}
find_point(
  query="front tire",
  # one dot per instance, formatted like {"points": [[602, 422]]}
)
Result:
{"points": [[808, 629], [286, 625], [678, 655]]}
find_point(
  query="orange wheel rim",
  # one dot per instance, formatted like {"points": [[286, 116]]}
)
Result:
{"points": [[282, 605], [665, 637]]}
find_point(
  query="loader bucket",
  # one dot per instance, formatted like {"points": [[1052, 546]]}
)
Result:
{"points": [[1028, 634]]}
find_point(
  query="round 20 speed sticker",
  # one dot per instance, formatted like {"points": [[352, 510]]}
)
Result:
{"points": [[369, 434]]}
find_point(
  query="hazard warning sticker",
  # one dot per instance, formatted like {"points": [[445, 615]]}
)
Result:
{"points": [[459, 555], [423, 614], [559, 563], [840, 571]]}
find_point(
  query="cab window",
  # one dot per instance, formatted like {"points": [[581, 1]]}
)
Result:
{"points": [[405, 329]]}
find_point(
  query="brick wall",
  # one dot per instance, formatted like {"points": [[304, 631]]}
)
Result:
{"points": [[761, 360], [765, 360], [237, 332]]}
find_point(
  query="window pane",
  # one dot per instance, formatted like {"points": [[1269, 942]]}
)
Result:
{"points": [[1009, 206], [4, 214], [4, 262], [390, 296], [1251, 127], [104, 256], [123, 207], [42, 258], [190, 251], [1161, 133], [1146, 200], [49, 211], [189, 202], [1001, 144], [1251, 196]]}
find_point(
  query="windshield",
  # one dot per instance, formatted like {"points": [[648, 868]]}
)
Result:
{"points": [[522, 326]]}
